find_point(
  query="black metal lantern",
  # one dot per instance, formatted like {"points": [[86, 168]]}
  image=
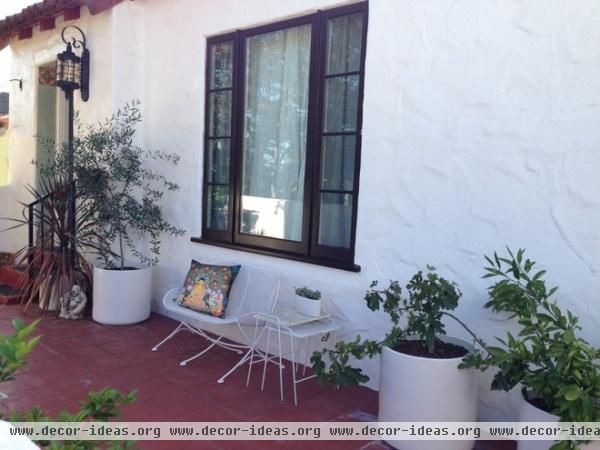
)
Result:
{"points": [[68, 70], [72, 71]]}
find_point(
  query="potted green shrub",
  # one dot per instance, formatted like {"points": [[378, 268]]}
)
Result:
{"points": [[419, 363], [557, 370], [308, 301], [123, 194]]}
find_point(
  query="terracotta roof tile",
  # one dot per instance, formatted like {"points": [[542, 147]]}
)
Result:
{"points": [[46, 9]]}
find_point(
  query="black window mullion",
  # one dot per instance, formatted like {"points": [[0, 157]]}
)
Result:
{"points": [[319, 250], [236, 132], [255, 241], [207, 231], [342, 74], [221, 89], [319, 103]]}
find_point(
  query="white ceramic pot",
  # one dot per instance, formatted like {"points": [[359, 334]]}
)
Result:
{"points": [[121, 297], [307, 306], [531, 413], [417, 389], [52, 304]]}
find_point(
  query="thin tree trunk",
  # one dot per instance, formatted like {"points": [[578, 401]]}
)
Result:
{"points": [[121, 250]]}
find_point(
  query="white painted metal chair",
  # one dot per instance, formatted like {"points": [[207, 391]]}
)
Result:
{"points": [[255, 290]]}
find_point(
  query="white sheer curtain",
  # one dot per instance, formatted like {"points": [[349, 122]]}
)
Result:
{"points": [[275, 128]]}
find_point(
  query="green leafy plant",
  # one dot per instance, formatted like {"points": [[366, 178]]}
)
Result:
{"points": [[99, 406], [120, 189], [49, 268], [308, 293], [557, 368], [430, 298], [14, 348]]}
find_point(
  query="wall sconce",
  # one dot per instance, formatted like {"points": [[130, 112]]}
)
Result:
{"points": [[72, 71]]}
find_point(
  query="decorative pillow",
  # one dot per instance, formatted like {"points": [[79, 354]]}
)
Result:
{"points": [[206, 288]]}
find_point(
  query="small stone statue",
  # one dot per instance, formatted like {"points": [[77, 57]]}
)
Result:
{"points": [[72, 305]]}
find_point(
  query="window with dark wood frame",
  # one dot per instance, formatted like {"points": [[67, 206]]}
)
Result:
{"points": [[282, 138]]}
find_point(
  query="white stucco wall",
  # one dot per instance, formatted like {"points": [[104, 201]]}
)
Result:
{"points": [[27, 56], [481, 129]]}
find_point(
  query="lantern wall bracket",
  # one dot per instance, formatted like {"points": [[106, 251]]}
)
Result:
{"points": [[20, 81]]}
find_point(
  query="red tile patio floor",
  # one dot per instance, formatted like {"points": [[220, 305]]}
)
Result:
{"points": [[75, 357]]}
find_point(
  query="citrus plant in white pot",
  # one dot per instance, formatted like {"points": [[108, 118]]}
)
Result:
{"points": [[419, 363], [308, 302], [123, 193], [556, 369]]}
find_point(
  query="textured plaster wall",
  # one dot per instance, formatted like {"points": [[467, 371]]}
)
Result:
{"points": [[481, 128], [27, 56]]}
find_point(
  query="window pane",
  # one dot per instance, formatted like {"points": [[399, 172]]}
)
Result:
{"points": [[218, 161], [218, 207], [344, 42], [221, 64], [338, 163], [341, 97], [220, 114], [275, 127], [335, 220]]}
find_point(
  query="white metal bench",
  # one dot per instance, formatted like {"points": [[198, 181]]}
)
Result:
{"points": [[254, 290]]}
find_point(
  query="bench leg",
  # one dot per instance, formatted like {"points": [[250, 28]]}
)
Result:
{"points": [[173, 333]]}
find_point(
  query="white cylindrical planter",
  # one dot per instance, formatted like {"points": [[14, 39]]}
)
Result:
{"points": [[531, 413], [52, 304], [417, 389], [307, 306], [121, 297]]}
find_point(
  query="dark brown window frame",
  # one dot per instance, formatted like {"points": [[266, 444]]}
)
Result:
{"points": [[308, 250]]}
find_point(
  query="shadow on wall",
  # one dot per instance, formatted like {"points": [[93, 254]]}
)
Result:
{"points": [[4, 150]]}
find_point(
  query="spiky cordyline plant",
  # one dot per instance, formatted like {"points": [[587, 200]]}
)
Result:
{"points": [[50, 269]]}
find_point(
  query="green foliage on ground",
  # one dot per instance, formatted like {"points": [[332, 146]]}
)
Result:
{"points": [[99, 406], [14, 348]]}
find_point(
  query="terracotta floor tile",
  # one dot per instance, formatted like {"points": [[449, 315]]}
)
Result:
{"points": [[77, 356]]}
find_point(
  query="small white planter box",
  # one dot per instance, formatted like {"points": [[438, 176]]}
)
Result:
{"points": [[121, 297], [417, 389], [307, 306], [531, 413]]}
